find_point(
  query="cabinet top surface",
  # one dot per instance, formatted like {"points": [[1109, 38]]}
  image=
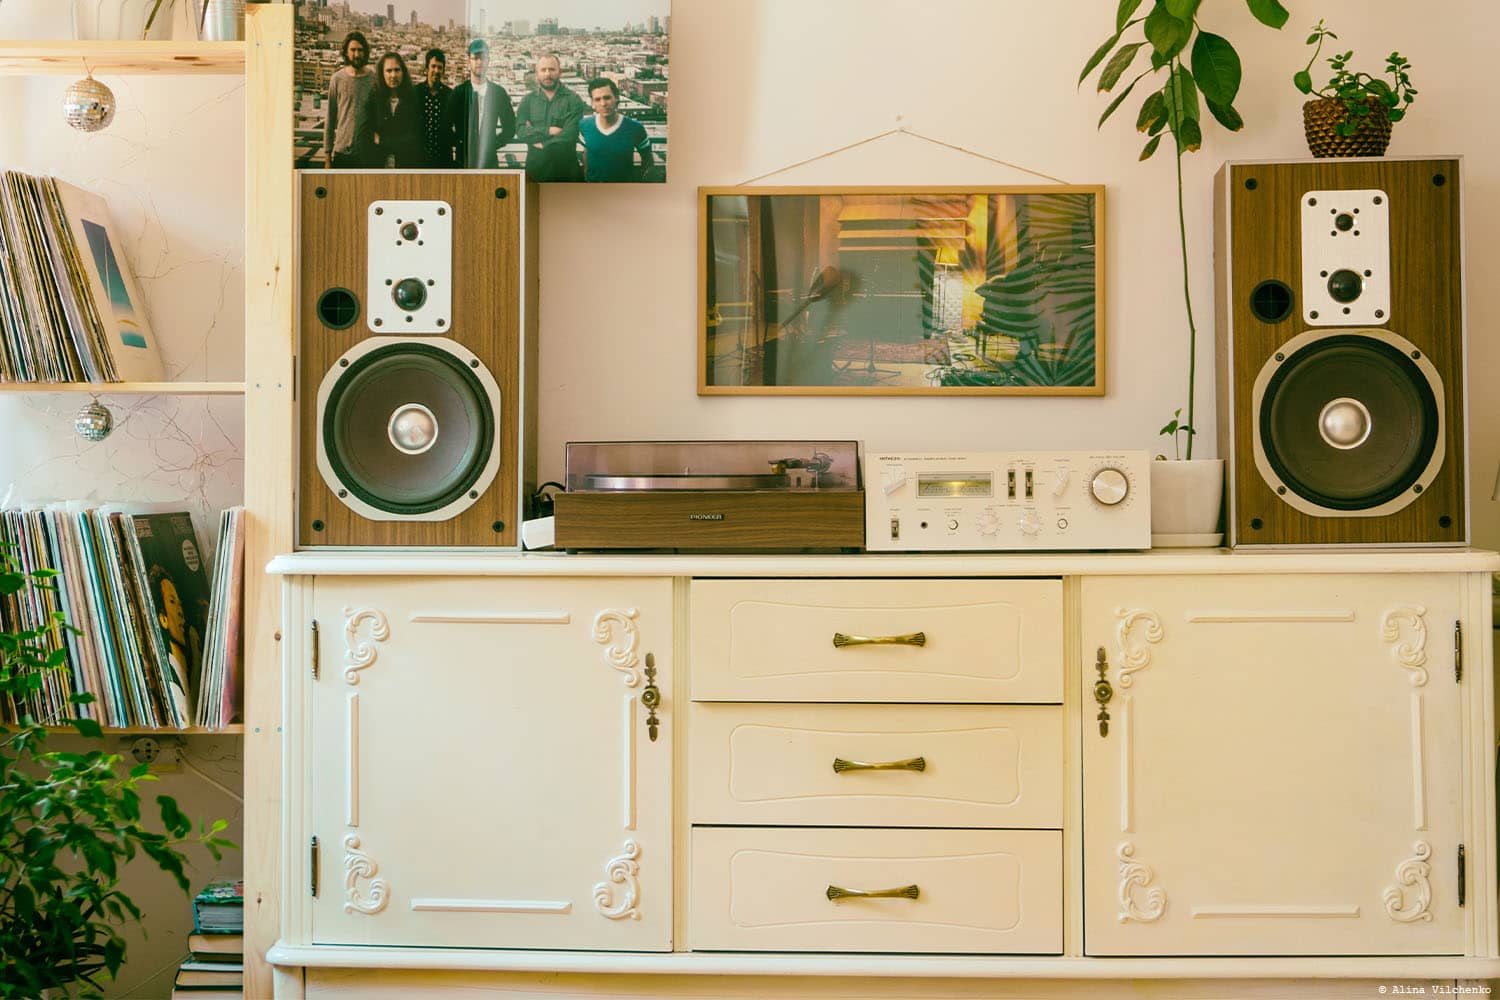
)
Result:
{"points": [[24, 57], [386, 562]]}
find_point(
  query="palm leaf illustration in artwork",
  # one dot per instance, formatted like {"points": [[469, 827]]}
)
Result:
{"points": [[1045, 301]]}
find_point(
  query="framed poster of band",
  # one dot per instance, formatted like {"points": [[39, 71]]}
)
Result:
{"points": [[901, 291], [569, 90]]}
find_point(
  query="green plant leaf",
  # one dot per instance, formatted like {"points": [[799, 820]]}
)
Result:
{"points": [[1098, 56], [1117, 65], [1183, 9], [1268, 12], [1153, 110], [1150, 148], [1183, 95], [1225, 115], [1216, 67], [1167, 34], [87, 727], [1122, 16], [1117, 101], [1303, 81], [1189, 136]]}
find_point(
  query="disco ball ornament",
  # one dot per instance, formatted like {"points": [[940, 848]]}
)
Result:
{"points": [[94, 421], [89, 105]]}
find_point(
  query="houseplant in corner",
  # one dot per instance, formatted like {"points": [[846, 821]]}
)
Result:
{"points": [[68, 821], [1201, 69], [1352, 114]]}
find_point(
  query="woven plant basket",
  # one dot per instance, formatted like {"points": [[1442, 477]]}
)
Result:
{"points": [[1320, 118]]}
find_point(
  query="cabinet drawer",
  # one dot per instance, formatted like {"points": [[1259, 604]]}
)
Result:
{"points": [[775, 640], [964, 765], [976, 891]]}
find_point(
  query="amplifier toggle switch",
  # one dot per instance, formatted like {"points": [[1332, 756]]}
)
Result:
{"points": [[1109, 486], [1060, 483]]}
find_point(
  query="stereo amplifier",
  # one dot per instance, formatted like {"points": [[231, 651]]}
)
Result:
{"points": [[1008, 501]]}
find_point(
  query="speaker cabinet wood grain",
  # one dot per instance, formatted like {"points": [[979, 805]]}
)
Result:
{"points": [[1267, 315], [488, 322]]}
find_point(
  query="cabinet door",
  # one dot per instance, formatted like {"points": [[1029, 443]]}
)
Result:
{"points": [[1281, 769], [482, 771]]}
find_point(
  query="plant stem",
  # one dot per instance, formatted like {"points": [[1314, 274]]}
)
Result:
{"points": [[1188, 299]]}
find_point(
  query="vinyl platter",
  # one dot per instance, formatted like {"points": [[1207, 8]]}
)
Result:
{"points": [[687, 481], [712, 496]]}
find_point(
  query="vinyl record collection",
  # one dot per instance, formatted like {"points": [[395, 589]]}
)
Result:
{"points": [[69, 307], [149, 629]]}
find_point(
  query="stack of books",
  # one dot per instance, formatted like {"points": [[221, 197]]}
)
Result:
{"points": [[135, 587], [70, 310], [216, 968], [217, 945]]}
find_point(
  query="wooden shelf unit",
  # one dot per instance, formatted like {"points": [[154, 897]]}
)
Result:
{"points": [[233, 729], [120, 58], [129, 388], [265, 59]]}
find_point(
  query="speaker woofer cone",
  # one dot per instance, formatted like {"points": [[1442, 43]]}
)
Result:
{"points": [[408, 429], [1348, 423]]}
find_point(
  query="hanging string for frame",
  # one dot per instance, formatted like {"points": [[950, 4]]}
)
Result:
{"points": [[902, 130]]}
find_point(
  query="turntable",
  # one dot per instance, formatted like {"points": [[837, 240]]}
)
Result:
{"points": [[712, 496]]}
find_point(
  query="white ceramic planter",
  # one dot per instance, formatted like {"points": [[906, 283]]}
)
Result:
{"points": [[1186, 500]]}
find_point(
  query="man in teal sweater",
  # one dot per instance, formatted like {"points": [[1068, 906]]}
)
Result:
{"points": [[611, 141]]}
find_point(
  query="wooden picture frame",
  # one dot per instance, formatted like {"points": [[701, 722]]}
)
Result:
{"points": [[901, 291]]}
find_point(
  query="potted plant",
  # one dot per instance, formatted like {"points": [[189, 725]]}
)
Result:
{"points": [[68, 821], [1195, 69], [1353, 112]]}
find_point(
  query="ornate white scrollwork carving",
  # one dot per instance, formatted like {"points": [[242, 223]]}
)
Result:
{"points": [[357, 866], [1132, 657], [620, 652], [1134, 875], [623, 870], [1414, 873], [359, 654], [1411, 654]]}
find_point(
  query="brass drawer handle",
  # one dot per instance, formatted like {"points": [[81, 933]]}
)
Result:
{"points": [[904, 892], [840, 765], [841, 640]]}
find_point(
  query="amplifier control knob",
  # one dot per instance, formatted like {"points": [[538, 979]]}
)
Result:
{"points": [[988, 524], [1109, 486], [1029, 523]]}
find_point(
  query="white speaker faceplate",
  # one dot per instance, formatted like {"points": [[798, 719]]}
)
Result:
{"points": [[1346, 247], [410, 257]]}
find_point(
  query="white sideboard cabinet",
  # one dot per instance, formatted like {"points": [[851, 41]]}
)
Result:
{"points": [[476, 764], [1282, 772], [791, 776]]}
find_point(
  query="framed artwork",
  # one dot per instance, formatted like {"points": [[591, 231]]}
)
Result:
{"points": [[569, 92], [904, 291]]}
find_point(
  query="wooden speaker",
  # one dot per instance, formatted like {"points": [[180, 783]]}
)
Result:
{"points": [[416, 383], [1340, 324]]}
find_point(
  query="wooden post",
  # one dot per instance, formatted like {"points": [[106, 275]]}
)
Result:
{"points": [[270, 438]]}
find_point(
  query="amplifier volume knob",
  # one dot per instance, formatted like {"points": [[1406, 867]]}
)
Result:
{"points": [[1109, 486]]}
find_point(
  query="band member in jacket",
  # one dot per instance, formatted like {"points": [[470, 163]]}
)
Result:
{"points": [[398, 116], [480, 114]]}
